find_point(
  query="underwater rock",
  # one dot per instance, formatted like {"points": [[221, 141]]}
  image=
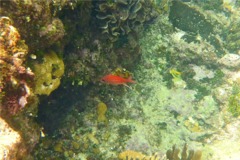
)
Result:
{"points": [[52, 32], [230, 60], [9, 141], [222, 93], [202, 72], [194, 22], [225, 144], [189, 19], [35, 21]]}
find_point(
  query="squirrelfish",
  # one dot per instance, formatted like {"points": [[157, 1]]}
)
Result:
{"points": [[116, 80]]}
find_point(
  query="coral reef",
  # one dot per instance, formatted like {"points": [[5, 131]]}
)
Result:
{"points": [[93, 58], [15, 79], [48, 73], [84, 65], [35, 21], [171, 154], [18, 103], [122, 17], [87, 56], [180, 64], [52, 32]]}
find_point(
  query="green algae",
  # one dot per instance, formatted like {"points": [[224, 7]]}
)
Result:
{"points": [[234, 101], [124, 130], [234, 105]]}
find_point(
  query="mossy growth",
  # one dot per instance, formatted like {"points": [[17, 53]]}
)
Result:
{"points": [[216, 80], [234, 104], [48, 73], [124, 130]]}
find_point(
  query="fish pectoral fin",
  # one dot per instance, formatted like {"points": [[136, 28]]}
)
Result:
{"points": [[127, 86]]}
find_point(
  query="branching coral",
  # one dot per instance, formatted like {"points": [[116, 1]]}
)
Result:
{"points": [[14, 75], [173, 154]]}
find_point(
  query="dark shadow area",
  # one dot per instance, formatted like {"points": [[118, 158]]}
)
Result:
{"points": [[53, 109]]}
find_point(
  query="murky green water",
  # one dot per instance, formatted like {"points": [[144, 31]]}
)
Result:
{"points": [[184, 57]]}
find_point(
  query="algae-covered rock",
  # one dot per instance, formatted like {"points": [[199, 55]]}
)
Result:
{"points": [[48, 73], [35, 21], [192, 20], [15, 76], [234, 104]]}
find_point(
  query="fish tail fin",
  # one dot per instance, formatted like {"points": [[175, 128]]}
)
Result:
{"points": [[130, 80]]}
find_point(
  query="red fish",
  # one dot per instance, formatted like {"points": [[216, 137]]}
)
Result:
{"points": [[116, 80]]}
